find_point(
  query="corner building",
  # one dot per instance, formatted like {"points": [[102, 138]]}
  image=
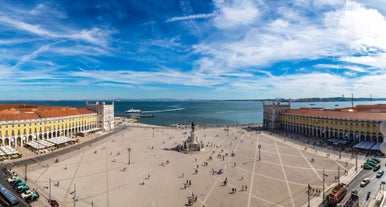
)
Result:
{"points": [[360, 123], [21, 123]]}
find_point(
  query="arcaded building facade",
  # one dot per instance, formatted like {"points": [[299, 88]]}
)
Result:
{"points": [[360, 123], [21, 123], [105, 113]]}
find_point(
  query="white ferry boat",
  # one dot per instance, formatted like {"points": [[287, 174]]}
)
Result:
{"points": [[130, 111]]}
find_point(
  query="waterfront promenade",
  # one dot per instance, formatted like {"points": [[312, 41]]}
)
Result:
{"points": [[157, 175]]}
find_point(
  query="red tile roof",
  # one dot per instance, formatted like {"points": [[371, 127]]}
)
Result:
{"points": [[361, 112], [10, 112]]}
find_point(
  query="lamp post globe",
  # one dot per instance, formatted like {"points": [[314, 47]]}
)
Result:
{"points": [[382, 147]]}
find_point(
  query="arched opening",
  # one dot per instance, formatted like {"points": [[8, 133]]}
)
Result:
{"points": [[374, 138], [351, 137], [6, 141], [368, 139], [357, 137], [18, 141], [380, 139], [362, 137], [29, 138]]}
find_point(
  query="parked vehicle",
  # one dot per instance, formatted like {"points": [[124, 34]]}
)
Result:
{"points": [[376, 159], [18, 184], [16, 180], [32, 198], [371, 163], [26, 194], [11, 179], [379, 174], [22, 189], [376, 167], [364, 182], [367, 166]]}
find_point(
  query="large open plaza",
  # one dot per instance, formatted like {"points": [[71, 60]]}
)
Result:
{"points": [[101, 175]]}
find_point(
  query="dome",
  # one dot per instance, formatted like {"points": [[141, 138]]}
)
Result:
{"points": [[383, 131]]}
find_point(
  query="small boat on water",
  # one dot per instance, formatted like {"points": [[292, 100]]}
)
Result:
{"points": [[130, 111]]}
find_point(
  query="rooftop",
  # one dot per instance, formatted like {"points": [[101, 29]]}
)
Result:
{"points": [[360, 112], [10, 112]]}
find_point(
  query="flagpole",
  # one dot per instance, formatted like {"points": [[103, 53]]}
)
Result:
{"points": [[323, 187]]}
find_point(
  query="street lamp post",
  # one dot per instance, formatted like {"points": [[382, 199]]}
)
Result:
{"points": [[25, 172], [340, 153], [324, 175], [356, 161], [259, 146], [129, 149]]}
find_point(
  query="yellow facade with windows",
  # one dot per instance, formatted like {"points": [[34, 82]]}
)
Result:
{"points": [[332, 127], [21, 123], [360, 123]]}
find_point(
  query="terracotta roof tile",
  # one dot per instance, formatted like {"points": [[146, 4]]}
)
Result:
{"points": [[363, 112], [10, 112]]}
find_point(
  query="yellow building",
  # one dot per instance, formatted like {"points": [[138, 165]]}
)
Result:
{"points": [[21, 123], [360, 123]]}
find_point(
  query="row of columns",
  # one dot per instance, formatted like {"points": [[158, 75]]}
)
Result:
{"points": [[332, 133], [19, 141]]}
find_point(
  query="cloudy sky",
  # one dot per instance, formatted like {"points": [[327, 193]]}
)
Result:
{"points": [[192, 49]]}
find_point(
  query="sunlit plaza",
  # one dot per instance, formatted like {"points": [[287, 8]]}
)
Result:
{"points": [[259, 170]]}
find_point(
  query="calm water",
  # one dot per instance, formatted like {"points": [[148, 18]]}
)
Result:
{"points": [[203, 112]]}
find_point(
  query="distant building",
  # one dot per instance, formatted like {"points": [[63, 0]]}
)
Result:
{"points": [[22, 123], [105, 114], [360, 123]]}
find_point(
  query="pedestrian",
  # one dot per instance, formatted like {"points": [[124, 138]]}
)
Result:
{"points": [[148, 176], [190, 182]]}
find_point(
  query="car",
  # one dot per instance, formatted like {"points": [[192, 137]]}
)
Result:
{"points": [[22, 189], [379, 174], [32, 197], [12, 179], [26, 194], [364, 182], [376, 159], [16, 180], [367, 166], [15, 185], [371, 163], [53, 203], [376, 167]]}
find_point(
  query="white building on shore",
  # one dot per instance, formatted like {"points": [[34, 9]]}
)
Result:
{"points": [[105, 114]]}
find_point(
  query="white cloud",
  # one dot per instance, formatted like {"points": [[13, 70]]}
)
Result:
{"points": [[377, 60], [236, 13], [32, 55], [190, 17], [94, 36], [341, 32]]}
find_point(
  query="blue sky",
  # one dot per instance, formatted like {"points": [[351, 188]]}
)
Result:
{"points": [[192, 49]]}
